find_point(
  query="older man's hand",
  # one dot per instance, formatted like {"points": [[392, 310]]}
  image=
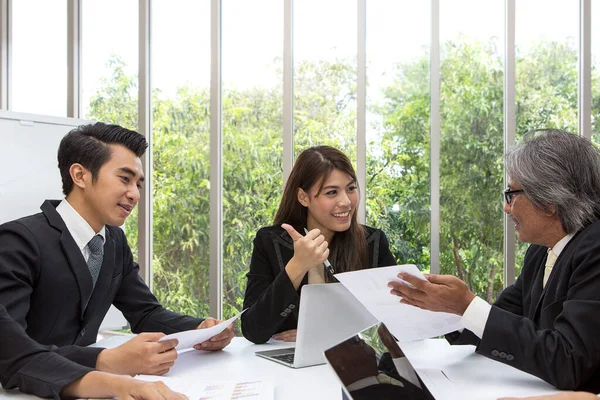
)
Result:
{"points": [[217, 342], [444, 293]]}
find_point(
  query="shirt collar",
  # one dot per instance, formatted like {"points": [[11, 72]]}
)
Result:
{"points": [[560, 245], [78, 227]]}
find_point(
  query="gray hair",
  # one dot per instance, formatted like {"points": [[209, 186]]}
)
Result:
{"points": [[558, 168]]}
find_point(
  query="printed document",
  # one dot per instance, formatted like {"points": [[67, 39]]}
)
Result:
{"points": [[187, 339], [407, 323], [217, 390]]}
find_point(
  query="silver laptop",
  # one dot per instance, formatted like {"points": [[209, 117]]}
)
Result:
{"points": [[328, 314], [366, 367]]}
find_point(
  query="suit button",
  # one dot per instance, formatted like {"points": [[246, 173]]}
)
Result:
{"points": [[495, 353], [287, 310], [292, 306], [502, 354], [283, 314], [82, 332], [510, 357]]}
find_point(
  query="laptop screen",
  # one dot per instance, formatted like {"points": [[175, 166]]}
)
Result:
{"points": [[371, 365]]}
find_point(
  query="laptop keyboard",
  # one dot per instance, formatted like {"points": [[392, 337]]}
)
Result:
{"points": [[287, 358]]}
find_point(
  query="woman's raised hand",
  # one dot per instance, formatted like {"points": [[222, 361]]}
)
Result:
{"points": [[309, 251]]}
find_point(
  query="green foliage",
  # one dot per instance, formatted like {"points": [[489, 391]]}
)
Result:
{"points": [[398, 160]]}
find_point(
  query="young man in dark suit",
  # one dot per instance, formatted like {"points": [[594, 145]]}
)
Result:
{"points": [[546, 323], [61, 269], [35, 369]]}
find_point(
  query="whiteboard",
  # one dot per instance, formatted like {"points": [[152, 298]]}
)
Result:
{"points": [[29, 171], [28, 164]]}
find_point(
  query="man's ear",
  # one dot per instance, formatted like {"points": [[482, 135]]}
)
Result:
{"points": [[551, 210], [81, 175], [303, 197]]}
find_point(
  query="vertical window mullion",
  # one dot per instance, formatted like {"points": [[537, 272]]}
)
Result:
{"points": [[216, 165], [288, 88], [361, 107], [5, 44], [73, 58], [509, 131], [435, 134], [145, 242], [585, 69]]}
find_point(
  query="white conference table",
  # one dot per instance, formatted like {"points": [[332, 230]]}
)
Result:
{"points": [[450, 372], [457, 372], [237, 362]]}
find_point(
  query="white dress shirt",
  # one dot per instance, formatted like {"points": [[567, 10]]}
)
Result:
{"points": [[78, 227], [476, 315]]}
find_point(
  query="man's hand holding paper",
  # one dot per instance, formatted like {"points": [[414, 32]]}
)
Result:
{"points": [[405, 322], [210, 335], [441, 293], [220, 340]]}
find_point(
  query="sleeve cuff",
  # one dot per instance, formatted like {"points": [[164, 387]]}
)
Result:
{"points": [[476, 316]]}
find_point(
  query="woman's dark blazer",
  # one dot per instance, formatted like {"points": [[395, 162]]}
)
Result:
{"points": [[270, 297]]}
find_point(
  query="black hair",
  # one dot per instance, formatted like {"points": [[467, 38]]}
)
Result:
{"points": [[88, 145]]}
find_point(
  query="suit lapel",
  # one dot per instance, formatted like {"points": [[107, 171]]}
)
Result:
{"points": [[78, 267], [105, 277], [74, 257]]}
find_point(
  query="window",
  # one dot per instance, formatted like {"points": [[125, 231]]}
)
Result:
{"points": [[546, 76], [472, 144], [398, 167], [325, 75], [252, 133], [181, 150], [109, 64], [109, 61], [39, 57]]}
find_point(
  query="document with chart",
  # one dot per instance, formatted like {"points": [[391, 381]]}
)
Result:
{"points": [[217, 389], [407, 323]]}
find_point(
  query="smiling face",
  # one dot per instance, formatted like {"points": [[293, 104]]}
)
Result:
{"points": [[532, 224], [332, 209], [112, 196]]}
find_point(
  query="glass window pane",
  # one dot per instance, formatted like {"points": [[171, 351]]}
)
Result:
{"points": [[252, 133], [398, 167], [472, 144], [546, 59], [325, 75], [109, 64], [546, 76], [109, 61], [39, 57], [181, 151]]}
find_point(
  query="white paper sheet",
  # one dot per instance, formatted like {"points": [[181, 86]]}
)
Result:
{"points": [[407, 323], [187, 339], [217, 390], [451, 371]]}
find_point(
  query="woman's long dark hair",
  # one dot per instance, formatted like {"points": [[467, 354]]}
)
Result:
{"points": [[348, 249]]}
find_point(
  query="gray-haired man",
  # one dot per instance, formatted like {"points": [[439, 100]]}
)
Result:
{"points": [[547, 323]]}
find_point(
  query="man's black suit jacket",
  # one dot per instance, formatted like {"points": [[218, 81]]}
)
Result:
{"points": [[31, 367], [45, 285], [551, 332]]}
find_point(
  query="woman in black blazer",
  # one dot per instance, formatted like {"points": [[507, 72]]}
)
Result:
{"points": [[320, 198], [32, 368]]}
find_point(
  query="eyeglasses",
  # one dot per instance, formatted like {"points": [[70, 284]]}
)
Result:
{"points": [[509, 194]]}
